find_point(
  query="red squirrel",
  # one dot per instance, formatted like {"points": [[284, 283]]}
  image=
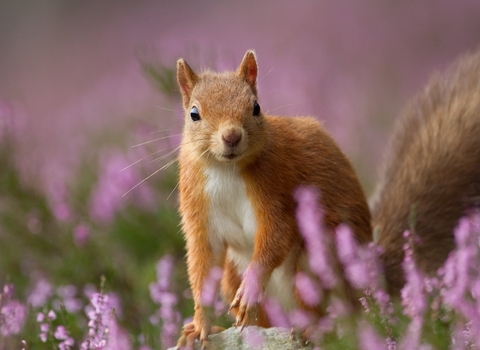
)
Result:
{"points": [[431, 175], [239, 169]]}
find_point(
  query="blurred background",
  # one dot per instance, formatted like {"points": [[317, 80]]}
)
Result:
{"points": [[87, 89]]}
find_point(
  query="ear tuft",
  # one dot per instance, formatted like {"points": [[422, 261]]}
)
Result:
{"points": [[248, 69], [186, 79]]}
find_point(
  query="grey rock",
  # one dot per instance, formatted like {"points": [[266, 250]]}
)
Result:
{"points": [[253, 338]]}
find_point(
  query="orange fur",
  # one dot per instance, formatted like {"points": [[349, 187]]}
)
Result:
{"points": [[274, 156]]}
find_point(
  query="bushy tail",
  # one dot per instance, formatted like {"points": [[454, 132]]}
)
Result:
{"points": [[431, 174]]}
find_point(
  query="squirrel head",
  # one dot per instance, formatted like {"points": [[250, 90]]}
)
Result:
{"points": [[223, 120]]}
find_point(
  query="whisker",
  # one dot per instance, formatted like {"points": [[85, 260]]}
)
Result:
{"points": [[266, 74], [162, 130], [166, 155], [165, 109], [149, 176], [178, 183], [157, 139], [290, 104], [137, 161]]}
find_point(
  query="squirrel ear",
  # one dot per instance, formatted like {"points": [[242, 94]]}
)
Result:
{"points": [[248, 69], [186, 79]]}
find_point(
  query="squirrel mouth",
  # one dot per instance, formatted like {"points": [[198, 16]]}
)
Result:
{"points": [[229, 156]]}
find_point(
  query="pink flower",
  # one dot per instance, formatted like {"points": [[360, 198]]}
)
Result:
{"points": [[8, 291], [308, 289], [61, 333], [99, 313], [413, 297], [52, 315], [40, 317], [115, 179], [12, 317], [118, 339], [301, 319], [67, 298], [40, 294], [276, 314], [81, 235], [309, 218], [211, 285], [369, 339], [161, 293], [360, 262]]}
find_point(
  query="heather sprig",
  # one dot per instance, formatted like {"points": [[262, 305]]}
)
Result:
{"points": [[99, 313], [317, 243], [53, 332], [162, 293], [13, 313]]}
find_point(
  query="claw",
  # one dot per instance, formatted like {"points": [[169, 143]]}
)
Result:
{"points": [[204, 344]]}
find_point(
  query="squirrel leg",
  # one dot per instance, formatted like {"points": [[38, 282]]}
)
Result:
{"points": [[249, 296], [269, 253], [230, 284], [200, 261]]}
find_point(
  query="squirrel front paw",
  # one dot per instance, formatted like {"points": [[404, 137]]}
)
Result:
{"points": [[247, 302], [192, 331]]}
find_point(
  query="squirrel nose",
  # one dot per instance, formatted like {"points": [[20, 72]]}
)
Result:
{"points": [[232, 138]]}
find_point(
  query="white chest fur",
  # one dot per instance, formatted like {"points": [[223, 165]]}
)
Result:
{"points": [[232, 220]]}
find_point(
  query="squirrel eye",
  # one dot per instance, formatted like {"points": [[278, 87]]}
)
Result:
{"points": [[256, 109], [194, 114]]}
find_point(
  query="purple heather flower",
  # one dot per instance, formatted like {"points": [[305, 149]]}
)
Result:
{"points": [[308, 289], [365, 305], [40, 317], [61, 333], [162, 294], [252, 288], [412, 337], [66, 344], [44, 329], [326, 324], [59, 194], [276, 314], [67, 298], [301, 319], [116, 178], [361, 264], [43, 337], [413, 297], [118, 339], [391, 344], [309, 218], [144, 347], [338, 307], [164, 272], [99, 313], [8, 291], [461, 337], [81, 235], [459, 274], [40, 294], [369, 339], [12, 317], [462, 232], [209, 292], [52, 315]]}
